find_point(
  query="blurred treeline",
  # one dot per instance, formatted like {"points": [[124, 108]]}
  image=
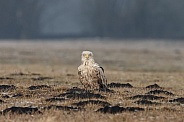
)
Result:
{"points": [[21, 19]]}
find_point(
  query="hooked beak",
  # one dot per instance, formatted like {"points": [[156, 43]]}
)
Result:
{"points": [[87, 56]]}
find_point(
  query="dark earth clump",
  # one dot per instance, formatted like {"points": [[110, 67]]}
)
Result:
{"points": [[119, 85], [145, 102], [38, 87], [179, 100], [96, 102], [21, 110], [67, 108], [18, 95], [154, 86], [160, 92], [134, 109], [5, 96], [118, 109], [111, 109], [7, 87], [147, 97]]}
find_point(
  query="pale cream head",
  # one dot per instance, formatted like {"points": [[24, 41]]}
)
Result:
{"points": [[87, 56]]}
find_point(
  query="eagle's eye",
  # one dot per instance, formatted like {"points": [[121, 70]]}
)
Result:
{"points": [[83, 55], [90, 54]]}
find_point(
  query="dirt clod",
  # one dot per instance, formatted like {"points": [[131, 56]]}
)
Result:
{"points": [[119, 85]]}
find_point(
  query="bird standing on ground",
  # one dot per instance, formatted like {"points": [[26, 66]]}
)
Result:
{"points": [[91, 75]]}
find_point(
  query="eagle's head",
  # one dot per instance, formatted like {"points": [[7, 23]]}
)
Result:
{"points": [[87, 56]]}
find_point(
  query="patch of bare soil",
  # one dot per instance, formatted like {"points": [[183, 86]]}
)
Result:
{"points": [[119, 109], [20, 110], [179, 100], [154, 86], [120, 85], [160, 92]]}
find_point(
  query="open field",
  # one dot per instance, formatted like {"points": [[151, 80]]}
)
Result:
{"points": [[39, 82]]}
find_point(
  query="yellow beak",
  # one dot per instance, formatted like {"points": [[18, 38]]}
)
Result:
{"points": [[87, 56]]}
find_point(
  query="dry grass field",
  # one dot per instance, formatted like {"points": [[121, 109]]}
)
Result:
{"points": [[39, 82]]}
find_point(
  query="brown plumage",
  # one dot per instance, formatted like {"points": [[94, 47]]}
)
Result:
{"points": [[91, 75]]}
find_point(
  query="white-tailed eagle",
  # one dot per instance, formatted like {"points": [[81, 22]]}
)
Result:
{"points": [[91, 75]]}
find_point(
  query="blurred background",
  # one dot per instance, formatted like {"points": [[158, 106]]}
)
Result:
{"points": [[48, 19]]}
